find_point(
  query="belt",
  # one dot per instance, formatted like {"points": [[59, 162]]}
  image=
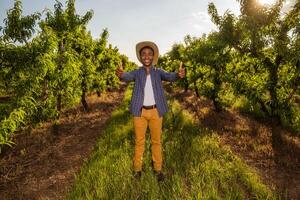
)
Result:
{"points": [[150, 107]]}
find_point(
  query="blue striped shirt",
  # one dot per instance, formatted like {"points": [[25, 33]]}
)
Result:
{"points": [[139, 77]]}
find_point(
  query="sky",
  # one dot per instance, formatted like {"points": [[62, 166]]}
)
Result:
{"points": [[164, 22]]}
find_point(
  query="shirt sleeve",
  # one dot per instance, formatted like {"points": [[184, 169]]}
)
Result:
{"points": [[168, 76], [128, 76]]}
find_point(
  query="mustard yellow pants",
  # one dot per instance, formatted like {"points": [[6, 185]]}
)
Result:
{"points": [[148, 117]]}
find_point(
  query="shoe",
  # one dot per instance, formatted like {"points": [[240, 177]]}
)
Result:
{"points": [[160, 176], [137, 175]]}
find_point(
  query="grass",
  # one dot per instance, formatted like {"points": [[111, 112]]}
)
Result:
{"points": [[196, 165]]}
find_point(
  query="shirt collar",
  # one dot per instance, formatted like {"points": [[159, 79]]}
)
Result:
{"points": [[151, 68]]}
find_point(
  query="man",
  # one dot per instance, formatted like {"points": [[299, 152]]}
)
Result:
{"points": [[148, 103]]}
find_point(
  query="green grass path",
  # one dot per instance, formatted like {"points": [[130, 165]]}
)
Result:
{"points": [[196, 165]]}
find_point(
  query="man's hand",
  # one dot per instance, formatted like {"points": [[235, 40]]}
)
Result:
{"points": [[120, 70], [181, 71]]}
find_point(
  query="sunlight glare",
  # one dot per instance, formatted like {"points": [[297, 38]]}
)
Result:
{"points": [[269, 2]]}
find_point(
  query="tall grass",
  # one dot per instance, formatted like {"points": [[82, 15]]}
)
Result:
{"points": [[196, 165]]}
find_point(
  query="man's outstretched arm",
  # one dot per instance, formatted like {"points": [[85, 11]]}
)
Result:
{"points": [[168, 76], [172, 76], [128, 76], [125, 76]]}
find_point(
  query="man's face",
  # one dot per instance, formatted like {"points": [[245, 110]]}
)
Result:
{"points": [[147, 56]]}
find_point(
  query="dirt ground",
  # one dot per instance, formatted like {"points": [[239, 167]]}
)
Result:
{"points": [[42, 165], [252, 140]]}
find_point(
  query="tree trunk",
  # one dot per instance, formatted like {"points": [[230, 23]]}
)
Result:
{"points": [[217, 105], [98, 93], [84, 103], [83, 100], [274, 105], [217, 85], [186, 85], [196, 89], [263, 107], [58, 104], [59, 96]]}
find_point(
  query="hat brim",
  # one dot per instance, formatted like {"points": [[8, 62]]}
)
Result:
{"points": [[150, 44]]}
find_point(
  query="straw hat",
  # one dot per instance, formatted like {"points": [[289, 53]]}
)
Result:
{"points": [[150, 44]]}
